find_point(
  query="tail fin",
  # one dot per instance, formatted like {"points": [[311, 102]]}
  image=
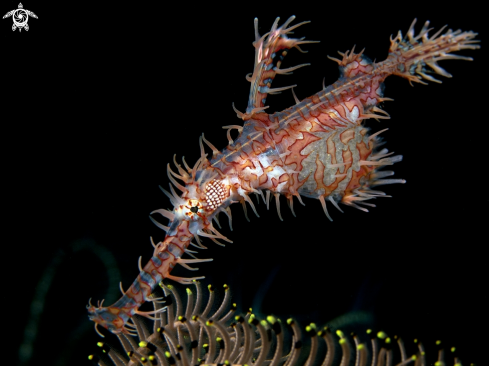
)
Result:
{"points": [[409, 55]]}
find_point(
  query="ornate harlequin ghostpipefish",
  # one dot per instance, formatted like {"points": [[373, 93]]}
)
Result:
{"points": [[317, 148]]}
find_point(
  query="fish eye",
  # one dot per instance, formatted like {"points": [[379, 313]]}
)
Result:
{"points": [[194, 209]]}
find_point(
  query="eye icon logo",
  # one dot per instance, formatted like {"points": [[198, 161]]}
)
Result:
{"points": [[20, 17]]}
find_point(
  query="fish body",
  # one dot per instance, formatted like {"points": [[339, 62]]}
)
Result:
{"points": [[318, 148]]}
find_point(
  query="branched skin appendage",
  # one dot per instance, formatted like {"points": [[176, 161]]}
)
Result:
{"points": [[318, 148]]}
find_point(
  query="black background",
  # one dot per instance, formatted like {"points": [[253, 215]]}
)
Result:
{"points": [[96, 99]]}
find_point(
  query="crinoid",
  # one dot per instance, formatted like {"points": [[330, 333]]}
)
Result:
{"points": [[191, 334]]}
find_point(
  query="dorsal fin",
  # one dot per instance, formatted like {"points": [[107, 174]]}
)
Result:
{"points": [[270, 49]]}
